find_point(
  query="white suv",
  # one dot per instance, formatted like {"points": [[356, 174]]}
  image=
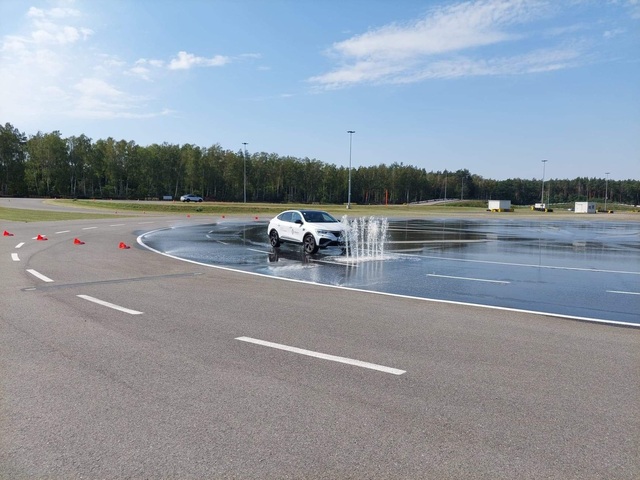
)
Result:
{"points": [[313, 229]]}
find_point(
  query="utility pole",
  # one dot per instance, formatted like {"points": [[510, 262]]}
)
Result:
{"points": [[350, 132], [244, 156], [544, 164], [606, 190]]}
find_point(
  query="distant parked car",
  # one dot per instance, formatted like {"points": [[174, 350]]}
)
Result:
{"points": [[313, 229], [190, 197]]}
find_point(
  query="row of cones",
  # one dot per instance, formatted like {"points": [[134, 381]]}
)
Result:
{"points": [[122, 245], [76, 241]]}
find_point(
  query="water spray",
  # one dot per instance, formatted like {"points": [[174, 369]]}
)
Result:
{"points": [[365, 238]]}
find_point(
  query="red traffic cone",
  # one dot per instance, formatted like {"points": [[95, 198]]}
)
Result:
{"points": [[40, 237], [123, 245], [7, 234], [77, 241]]}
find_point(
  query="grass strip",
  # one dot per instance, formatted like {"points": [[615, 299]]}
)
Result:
{"points": [[23, 215]]}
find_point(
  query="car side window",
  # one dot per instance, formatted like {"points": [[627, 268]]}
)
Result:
{"points": [[295, 217], [285, 217]]}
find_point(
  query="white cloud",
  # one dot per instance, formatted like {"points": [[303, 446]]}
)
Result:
{"points": [[533, 62], [50, 65], [431, 47], [50, 68], [613, 33], [186, 61], [35, 13], [95, 98]]}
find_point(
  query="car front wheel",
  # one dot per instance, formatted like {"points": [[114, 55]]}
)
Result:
{"points": [[309, 243], [274, 239]]}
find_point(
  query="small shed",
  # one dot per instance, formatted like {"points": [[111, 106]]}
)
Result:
{"points": [[499, 206], [585, 207]]}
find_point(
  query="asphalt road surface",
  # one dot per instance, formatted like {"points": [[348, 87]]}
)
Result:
{"points": [[121, 363]]}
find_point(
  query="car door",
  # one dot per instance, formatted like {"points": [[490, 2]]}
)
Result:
{"points": [[283, 226], [297, 227]]}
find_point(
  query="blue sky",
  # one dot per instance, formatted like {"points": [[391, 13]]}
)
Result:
{"points": [[493, 86]]}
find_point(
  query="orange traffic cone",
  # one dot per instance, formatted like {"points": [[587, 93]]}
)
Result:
{"points": [[77, 241], [40, 237], [123, 245], [7, 234]]}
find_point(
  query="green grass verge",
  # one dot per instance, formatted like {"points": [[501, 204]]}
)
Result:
{"points": [[23, 215], [272, 209], [466, 207]]}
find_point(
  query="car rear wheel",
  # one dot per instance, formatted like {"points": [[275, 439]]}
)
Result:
{"points": [[274, 239], [309, 244]]}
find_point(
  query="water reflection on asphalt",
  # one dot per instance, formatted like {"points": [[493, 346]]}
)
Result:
{"points": [[574, 268]]}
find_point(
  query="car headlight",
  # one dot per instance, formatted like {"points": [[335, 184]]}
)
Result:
{"points": [[323, 232]]}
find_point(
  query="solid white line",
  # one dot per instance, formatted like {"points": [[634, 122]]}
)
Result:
{"points": [[466, 278], [89, 228], [551, 267], [623, 293], [63, 231], [110, 305], [323, 356], [20, 245], [14, 257], [39, 275]]}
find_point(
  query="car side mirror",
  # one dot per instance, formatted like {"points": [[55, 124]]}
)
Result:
{"points": [[299, 222]]}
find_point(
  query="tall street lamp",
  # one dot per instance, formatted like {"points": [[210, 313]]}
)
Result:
{"points": [[350, 132], [606, 190], [446, 178], [544, 164], [244, 156]]}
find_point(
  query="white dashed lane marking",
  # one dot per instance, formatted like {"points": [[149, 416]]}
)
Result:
{"points": [[110, 305], [323, 356], [36, 274]]}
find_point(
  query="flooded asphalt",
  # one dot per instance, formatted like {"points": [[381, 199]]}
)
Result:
{"points": [[587, 270]]}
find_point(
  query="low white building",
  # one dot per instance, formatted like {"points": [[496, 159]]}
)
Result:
{"points": [[585, 207], [499, 206]]}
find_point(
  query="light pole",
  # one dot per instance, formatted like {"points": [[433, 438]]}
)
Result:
{"points": [[446, 177], [544, 164], [606, 190], [350, 132], [244, 156]]}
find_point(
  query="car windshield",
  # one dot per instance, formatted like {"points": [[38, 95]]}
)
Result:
{"points": [[316, 216]]}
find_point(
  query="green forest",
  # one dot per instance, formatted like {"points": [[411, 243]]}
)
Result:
{"points": [[48, 165]]}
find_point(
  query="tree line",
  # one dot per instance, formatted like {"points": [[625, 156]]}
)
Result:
{"points": [[48, 165]]}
